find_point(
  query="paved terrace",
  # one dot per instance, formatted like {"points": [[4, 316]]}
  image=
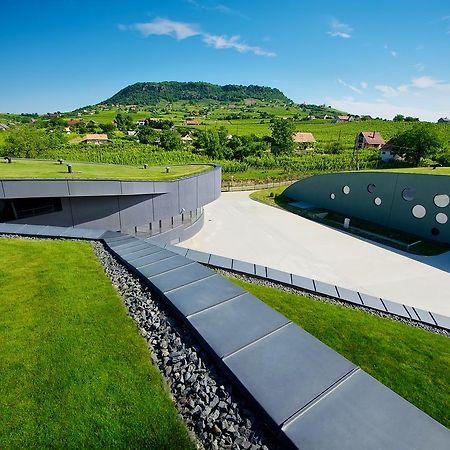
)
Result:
{"points": [[238, 227]]}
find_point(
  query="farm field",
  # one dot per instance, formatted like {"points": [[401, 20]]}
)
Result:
{"points": [[22, 168], [75, 372]]}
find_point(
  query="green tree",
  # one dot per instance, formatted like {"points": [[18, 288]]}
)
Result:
{"points": [[170, 140], [415, 143], [282, 131], [124, 122], [147, 135], [214, 143], [28, 141], [399, 118]]}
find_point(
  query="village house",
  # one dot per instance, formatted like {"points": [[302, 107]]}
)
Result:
{"points": [[95, 139], [141, 122], [191, 122], [250, 101], [444, 120], [72, 122], [3, 127], [387, 152], [343, 119], [369, 139], [304, 140], [186, 139]]}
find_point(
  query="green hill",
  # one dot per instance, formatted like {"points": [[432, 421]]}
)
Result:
{"points": [[151, 93]]}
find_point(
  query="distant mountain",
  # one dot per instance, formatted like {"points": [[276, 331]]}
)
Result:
{"points": [[151, 93]]}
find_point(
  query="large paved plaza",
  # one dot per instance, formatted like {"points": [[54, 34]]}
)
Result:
{"points": [[238, 227]]}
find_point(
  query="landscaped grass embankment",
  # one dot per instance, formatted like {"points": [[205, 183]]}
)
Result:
{"points": [[412, 362], [74, 372], [26, 168]]}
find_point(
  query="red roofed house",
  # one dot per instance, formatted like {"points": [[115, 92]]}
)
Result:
{"points": [[341, 119], [369, 139], [95, 139], [71, 122]]}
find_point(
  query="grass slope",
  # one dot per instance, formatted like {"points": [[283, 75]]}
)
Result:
{"points": [[412, 362], [22, 168], [74, 372]]}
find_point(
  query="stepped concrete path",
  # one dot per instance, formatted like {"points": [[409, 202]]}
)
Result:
{"points": [[241, 228]]}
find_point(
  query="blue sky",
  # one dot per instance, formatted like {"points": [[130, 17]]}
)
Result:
{"points": [[375, 57]]}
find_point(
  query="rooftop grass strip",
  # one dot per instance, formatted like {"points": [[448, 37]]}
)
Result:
{"points": [[411, 361], [74, 371], [40, 169]]}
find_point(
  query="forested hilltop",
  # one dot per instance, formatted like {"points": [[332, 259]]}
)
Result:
{"points": [[150, 93]]}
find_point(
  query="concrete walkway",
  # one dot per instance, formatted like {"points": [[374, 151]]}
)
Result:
{"points": [[238, 227]]}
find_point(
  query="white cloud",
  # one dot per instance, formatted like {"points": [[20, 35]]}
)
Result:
{"points": [[339, 29], [353, 88], [425, 82], [387, 91], [234, 42], [394, 53], [159, 26], [183, 30], [364, 84], [419, 67]]}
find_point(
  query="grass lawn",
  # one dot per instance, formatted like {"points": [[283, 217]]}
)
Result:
{"points": [[23, 168], [412, 362], [428, 170], [74, 372]]}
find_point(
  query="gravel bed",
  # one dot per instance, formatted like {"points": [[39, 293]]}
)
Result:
{"points": [[298, 291], [216, 413]]}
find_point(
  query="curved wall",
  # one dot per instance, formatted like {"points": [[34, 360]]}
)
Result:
{"points": [[130, 206], [415, 203]]}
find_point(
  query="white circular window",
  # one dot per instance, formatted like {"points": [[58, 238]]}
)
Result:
{"points": [[371, 188], [419, 211], [408, 194], [441, 200], [332, 196], [346, 190], [377, 201], [441, 218]]}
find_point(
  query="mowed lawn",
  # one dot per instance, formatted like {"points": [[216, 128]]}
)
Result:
{"points": [[28, 168], [74, 371], [412, 362]]}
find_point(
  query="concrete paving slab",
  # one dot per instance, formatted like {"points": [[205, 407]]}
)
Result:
{"points": [[442, 321], [112, 235], [361, 413], [244, 267], [425, 316], [236, 323], [372, 301], [11, 227], [131, 250], [52, 231], [278, 275], [90, 233], [200, 257], [164, 265], [326, 288], [203, 294], [180, 276], [220, 261], [32, 230], [286, 370], [149, 250], [126, 246], [260, 271], [303, 282], [349, 295], [116, 243], [396, 308], [179, 250], [151, 258]]}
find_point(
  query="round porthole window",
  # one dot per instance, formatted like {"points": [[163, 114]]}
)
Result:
{"points": [[441, 200], [441, 218], [377, 201], [434, 231], [371, 188], [332, 196], [419, 211], [346, 190], [408, 194]]}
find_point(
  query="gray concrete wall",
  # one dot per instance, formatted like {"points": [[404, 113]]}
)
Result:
{"points": [[117, 205], [382, 197]]}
